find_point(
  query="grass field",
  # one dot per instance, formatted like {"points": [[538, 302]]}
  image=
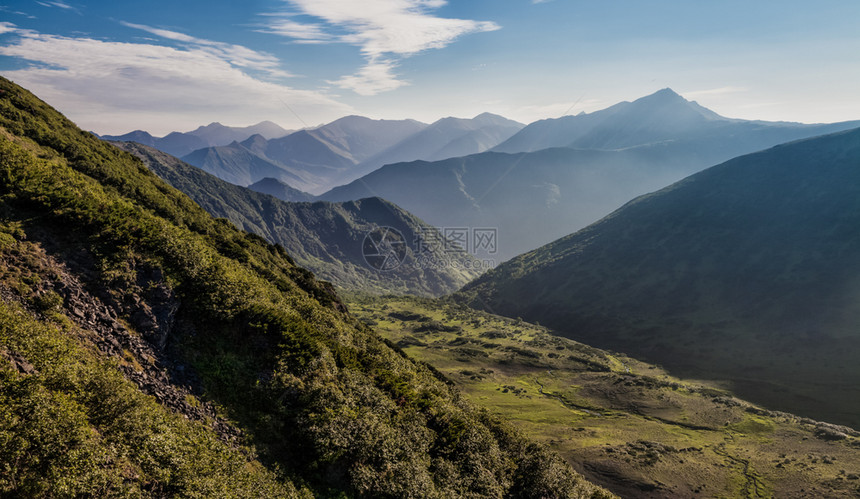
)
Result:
{"points": [[624, 424]]}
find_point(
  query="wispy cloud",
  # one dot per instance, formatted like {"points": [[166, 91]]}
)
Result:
{"points": [[300, 32], [236, 55], [61, 5], [375, 77], [4, 8], [385, 30], [104, 85]]}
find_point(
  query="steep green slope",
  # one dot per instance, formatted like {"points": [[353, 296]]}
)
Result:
{"points": [[322, 399], [621, 422], [326, 238], [72, 425], [747, 271]]}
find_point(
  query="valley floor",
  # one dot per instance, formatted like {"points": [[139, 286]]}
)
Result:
{"points": [[624, 424]]}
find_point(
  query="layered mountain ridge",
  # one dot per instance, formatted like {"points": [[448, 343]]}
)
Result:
{"points": [[663, 116], [327, 238], [575, 170], [317, 159], [213, 134], [745, 272]]}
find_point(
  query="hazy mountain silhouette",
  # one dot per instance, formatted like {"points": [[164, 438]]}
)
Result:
{"points": [[280, 190], [747, 271], [237, 165], [663, 116], [615, 155], [213, 134], [216, 134], [445, 138], [531, 198], [318, 158]]}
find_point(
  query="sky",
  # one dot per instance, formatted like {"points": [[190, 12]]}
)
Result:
{"points": [[116, 66]]}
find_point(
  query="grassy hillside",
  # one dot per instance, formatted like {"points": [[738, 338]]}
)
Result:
{"points": [[746, 272], [326, 238], [182, 303], [623, 423], [71, 424]]}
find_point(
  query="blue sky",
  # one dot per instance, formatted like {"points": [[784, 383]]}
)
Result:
{"points": [[114, 66]]}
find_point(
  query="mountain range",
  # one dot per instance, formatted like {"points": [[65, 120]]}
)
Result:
{"points": [[327, 238], [446, 138], [280, 190], [746, 272], [575, 171], [662, 117], [317, 159], [213, 134]]}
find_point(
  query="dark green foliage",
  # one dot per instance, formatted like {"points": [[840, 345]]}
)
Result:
{"points": [[320, 397], [73, 426]]}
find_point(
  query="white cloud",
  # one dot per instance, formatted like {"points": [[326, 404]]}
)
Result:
{"points": [[61, 5], [302, 33], [6, 27], [112, 87], [385, 30], [235, 54], [373, 78]]}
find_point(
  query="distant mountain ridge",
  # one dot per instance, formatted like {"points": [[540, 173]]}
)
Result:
{"points": [[213, 134], [445, 138], [528, 198], [663, 116], [747, 271], [327, 238], [608, 157], [320, 158], [238, 165], [280, 190]]}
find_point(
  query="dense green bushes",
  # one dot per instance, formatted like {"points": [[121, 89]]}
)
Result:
{"points": [[73, 426], [321, 397]]}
